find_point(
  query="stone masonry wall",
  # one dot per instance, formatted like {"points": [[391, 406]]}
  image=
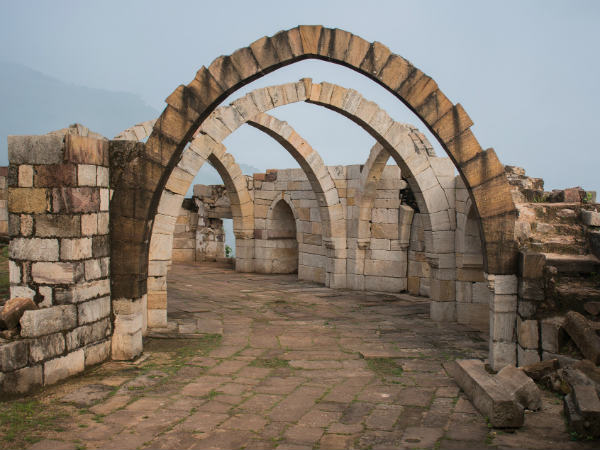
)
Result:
{"points": [[3, 202], [58, 204]]}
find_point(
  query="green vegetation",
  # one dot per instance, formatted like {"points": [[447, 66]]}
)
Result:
{"points": [[23, 422], [385, 367], [228, 252]]}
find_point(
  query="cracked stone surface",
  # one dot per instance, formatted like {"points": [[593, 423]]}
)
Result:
{"points": [[297, 366]]}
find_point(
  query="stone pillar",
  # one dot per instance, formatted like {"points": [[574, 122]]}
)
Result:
{"points": [[531, 293], [503, 319], [244, 252], [335, 262], [58, 204]]}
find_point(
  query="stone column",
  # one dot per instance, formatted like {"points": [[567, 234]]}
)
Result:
{"points": [[503, 318], [58, 203]]}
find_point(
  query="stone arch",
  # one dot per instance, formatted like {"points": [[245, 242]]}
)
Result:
{"points": [[284, 255], [145, 177], [161, 241], [404, 143]]}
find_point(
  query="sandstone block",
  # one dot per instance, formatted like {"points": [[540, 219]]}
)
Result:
{"points": [[503, 326], [93, 310], [503, 303], [46, 149], [486, 393], [75, 249], [25, 175], [526, 357], [527, 331], [503, 284], [88, 334], [89, 224], [385, 268], [23, 380], [13, 355], [33, 249], [75, 200], [97, 353], [442, 290], [45, 347], [519, 385], [584, 335], [103, 223], [83, 291], [442, 311], [21, 291], [502, 354], [102, 176], [86, 175], [57, 225], [55, 272], [63, 367], [385, 284], [93, 269], [48, 320], [591, 218], [86, 150]]}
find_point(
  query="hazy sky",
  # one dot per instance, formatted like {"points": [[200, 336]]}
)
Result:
{"points": [[527, 72]]}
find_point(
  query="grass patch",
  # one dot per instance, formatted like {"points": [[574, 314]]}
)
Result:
{"points": [[270, 363], [385, 367], [23, 422]]}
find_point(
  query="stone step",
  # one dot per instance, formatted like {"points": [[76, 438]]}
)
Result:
{"points": [[553, 213], [571, 264], [564, 245]]}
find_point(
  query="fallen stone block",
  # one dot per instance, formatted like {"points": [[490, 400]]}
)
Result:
{"points": [[519, 385], [582, 409], [584, 335], [540, 369], [486, 393], [13, 311], [590, 370]]}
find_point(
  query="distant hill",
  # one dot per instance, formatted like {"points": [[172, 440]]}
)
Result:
{"points": [[34, 103]]}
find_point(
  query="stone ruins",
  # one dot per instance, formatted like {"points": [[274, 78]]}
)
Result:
{"points": [[95, 223]]}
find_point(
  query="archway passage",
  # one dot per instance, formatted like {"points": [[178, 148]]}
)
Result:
{"points": [[145, 177], [282, 254]]}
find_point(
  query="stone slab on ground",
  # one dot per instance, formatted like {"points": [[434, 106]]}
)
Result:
{"points": [[486, 393]]}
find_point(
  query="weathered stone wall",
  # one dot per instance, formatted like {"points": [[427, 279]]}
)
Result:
{"points": [[58, 204], [3, 201]]}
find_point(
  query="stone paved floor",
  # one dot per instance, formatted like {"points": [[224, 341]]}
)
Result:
{"points": [[299, 366]]}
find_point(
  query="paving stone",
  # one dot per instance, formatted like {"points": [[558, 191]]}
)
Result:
{"points": [[88, 395], [303, 434], [249, 422]]}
